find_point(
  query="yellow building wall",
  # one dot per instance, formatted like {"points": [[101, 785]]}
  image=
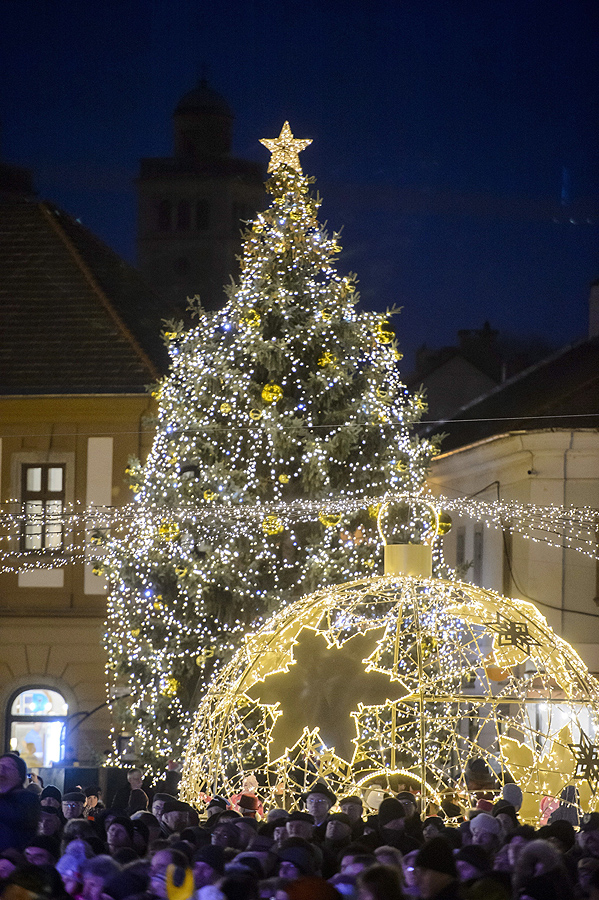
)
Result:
{"points": [[52, 621]]}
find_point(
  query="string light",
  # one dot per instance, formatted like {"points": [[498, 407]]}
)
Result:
{"points": [[462, 687]]}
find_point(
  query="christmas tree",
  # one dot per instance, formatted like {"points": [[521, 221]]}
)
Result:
{"points": [[287, 395]]}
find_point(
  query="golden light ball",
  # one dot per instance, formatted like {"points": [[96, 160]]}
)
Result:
{"points": [[272, 393]]}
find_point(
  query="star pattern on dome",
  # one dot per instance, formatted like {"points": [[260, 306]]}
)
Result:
{"points": [[285, 149], [512, 634], [323, 688], [586, 755]]}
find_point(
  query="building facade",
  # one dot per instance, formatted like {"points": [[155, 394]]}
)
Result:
{"points": [[193, 205], [79, 342]]}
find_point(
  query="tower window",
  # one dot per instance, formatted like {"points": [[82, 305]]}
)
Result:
{"points": [[202, 214], [163, 215], [183, 216]]}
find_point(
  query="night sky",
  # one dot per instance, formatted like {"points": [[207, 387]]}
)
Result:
{"points": [[454, 140]]}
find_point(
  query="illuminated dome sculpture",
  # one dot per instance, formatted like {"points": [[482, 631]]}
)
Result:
{"points": [[400, 678]]}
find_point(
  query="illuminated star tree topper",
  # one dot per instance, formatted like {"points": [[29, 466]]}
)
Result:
{"points": [[285, 149]]}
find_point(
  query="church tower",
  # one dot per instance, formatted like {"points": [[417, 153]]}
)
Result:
{"points": [[191, 206]]}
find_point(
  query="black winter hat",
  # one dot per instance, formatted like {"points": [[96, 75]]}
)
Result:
{"points": [[390, 809], [438, 856], [51, 791], [319, 788], [211, 855], [48, 843], [298, 816], [475, 856]]}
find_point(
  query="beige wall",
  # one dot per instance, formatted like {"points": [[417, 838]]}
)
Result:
{"points": [[543, 468], [51, 621]]}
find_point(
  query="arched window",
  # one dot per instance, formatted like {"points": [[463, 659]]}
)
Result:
{"points": [[36, 725], [163, 215]]}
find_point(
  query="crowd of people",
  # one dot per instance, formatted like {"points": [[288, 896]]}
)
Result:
{"points": [[154, 846]]}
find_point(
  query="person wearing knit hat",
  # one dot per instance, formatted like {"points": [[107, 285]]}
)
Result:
{"points": [[391, 821], [485, 831], [513, 794], [432, 827], [42, 851], [208, 865], [13, 772], [158, 801], [435, 871], [51, 796], [295, 862], [119, 834], [472, 862], [19, 809], [51, 821]]}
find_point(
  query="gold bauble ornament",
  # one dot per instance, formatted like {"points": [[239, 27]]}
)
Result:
{"points": [[445, 523], [401, 466], [373, 510], [326, 314], [272, 393], [384, 334], [225, 408], [158, 606], [205, 655], [272, 525], [171, 335], [329, 520], [251, 319], [171, 687], [168, 531], [209, 495], [255, 414], [284, 479], [180, 571], [135, 632], [98, 570]]}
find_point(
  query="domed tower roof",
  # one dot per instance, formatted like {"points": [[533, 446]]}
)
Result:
{"points": [[203, 99], [203, 123]]}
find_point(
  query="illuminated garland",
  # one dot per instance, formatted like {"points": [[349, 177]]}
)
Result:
{"points": [[572, 527]]}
